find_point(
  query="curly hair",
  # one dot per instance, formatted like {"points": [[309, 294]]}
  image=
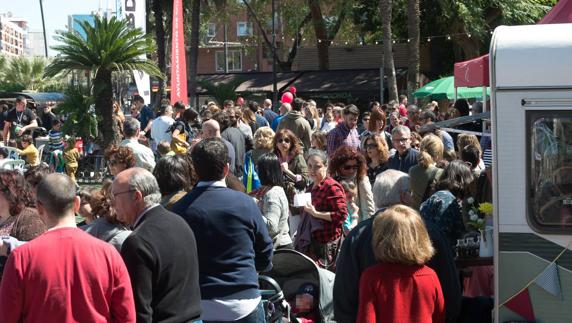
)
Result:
{"points": [[342, 155], [100, 202], [16, 191], [382, 148], [263, 138], [295, 147], [376, 115], [123, 155]]}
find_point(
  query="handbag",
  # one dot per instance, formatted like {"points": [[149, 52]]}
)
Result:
{"points": [[250, 178]]}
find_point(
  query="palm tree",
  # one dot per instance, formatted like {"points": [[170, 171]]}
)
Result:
{"points": [[111, 45], [28, 73], [385, 7]]}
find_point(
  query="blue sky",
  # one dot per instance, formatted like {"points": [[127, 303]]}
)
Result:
{"points": [[55, 12]]}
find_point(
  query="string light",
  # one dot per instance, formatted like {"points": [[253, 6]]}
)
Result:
{"points": [[469, 35], [346, 43], [408, 40], [376, 42], [394, 41], [429, 39], [448, 37]]}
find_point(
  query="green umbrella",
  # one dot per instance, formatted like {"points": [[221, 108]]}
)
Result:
{"points": [[445, 89]]}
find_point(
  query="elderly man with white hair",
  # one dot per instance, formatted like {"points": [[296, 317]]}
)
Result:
{"points": [[390, 188], [160, 253], [284, 109]]}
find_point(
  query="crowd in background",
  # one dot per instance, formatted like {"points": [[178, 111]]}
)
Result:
{"points": [[198, 199]]}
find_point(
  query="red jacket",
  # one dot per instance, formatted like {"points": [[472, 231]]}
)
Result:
{"points": [[400, 293]]}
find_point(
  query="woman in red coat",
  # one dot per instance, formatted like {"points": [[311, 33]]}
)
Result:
{"points": [[400, 288]]}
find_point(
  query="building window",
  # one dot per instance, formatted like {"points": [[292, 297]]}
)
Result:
{"points": [[234, 61], [211, 30], [550, 171], [243, 28]]}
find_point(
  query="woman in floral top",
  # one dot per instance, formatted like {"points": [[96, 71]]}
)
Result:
{"points": [[444, 207]]}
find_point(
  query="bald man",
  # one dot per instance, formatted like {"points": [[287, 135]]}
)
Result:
{"points": [[267, 112], [211, 129]]}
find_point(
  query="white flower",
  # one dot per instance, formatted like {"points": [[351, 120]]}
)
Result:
{"points": [[481, 221], [470, 200], [473, 216]]}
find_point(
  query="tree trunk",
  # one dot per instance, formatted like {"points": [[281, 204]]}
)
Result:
{"points": [[413, 34], [160, 38], [103, 92], [321, 34], [194, 52], [389, 66]]}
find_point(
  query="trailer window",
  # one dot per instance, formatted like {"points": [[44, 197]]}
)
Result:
{"points": [[550, 171]]}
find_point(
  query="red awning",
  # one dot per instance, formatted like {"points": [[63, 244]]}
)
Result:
{"points": [[475, 72]]}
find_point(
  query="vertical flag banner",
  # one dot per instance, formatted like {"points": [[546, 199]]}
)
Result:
{"points": [[521, 305], [549, 280], [178, 62], [135, 14]]}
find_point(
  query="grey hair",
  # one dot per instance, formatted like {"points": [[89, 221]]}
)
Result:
{"points": [[130, 127], [388, 187], [401, 130], [320, 154], [144, 182]]}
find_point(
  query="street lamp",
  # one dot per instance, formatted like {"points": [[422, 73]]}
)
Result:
{"points": [[44, 27], [274, 86]]}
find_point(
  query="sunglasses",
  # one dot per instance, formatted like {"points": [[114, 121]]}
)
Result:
{"points": [[351, 167], [371, 146], [285, 140]]}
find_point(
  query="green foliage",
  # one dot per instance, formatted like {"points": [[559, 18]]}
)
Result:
{"points": [[110, 45], [78, 107], [221, 91], [23, 73]]}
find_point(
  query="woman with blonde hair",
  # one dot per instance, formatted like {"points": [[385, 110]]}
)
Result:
{"points": [[400, 288], [263, 138], [426, 173]]}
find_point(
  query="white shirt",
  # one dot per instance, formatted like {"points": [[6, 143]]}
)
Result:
{"points": [[144, 156], [159, 129]]}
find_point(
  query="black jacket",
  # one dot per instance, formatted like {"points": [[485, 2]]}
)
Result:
{"points": [[403, 163], [161, 257]]}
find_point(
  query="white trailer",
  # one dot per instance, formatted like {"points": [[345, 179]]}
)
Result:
{"points": [[531, 100]]}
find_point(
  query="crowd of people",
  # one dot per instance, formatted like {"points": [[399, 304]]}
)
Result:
{"points": [[198, 201]]}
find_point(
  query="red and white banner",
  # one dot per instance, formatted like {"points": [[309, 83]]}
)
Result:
{"points": [[178, 62], [134, 11]]}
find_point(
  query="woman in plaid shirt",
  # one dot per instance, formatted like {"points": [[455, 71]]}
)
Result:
{"points": [[329, 206]]}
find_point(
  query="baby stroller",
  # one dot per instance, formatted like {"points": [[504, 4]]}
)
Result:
{"points": [[292, 269]]}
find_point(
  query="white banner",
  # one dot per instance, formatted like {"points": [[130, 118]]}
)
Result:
{"points": [[135, 13]]}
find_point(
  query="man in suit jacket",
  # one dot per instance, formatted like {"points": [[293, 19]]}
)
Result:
{"points": [[160, 254], [232, 239]]}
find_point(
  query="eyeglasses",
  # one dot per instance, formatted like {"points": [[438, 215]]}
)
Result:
{"points": [[400, 139], [351, 167], [114, 195], [285, 140]]}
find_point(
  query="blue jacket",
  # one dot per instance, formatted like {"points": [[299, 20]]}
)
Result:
{"points": [[233, 243], [403, 163]]}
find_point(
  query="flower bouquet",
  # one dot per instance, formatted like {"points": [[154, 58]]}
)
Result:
{"points": [[478, 215]]}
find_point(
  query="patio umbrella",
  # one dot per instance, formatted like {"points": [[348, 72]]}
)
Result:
{"points": [[444, 88]]}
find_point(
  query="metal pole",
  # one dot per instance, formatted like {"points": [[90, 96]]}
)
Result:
{"points": [[44, 28], [274, 85], [225, 49], [381, 85]]}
